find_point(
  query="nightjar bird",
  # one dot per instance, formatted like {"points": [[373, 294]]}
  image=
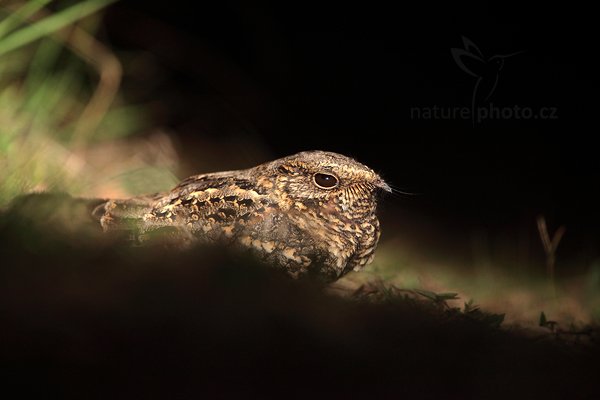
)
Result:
{"points": [[311, 213]]}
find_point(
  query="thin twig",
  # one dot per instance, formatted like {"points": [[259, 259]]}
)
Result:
{"points": [[550, 246]]}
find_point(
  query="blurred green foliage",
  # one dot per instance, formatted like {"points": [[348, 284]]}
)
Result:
{"points": [[59, 98]]}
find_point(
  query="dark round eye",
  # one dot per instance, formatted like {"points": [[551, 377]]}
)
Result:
{"points": [[326, 181]]}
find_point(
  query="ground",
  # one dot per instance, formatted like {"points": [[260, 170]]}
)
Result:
{"points": [[84, 316]]}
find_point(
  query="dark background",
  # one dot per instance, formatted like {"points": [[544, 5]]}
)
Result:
{"points": [[233, 77]]}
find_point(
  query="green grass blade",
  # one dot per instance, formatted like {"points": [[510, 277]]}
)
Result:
{"points": [[51, 24], [17, 17]]}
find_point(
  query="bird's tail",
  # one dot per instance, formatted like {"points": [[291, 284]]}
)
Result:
{"points": [[123, 215]]}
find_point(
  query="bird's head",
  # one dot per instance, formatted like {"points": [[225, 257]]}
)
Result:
{"points": [[325, 179]]}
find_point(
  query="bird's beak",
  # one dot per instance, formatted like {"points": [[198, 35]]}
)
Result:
{"points": [[380, 183]]}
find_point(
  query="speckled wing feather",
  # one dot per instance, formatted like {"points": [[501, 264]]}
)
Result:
{"points": [[209, 203], [211, 206]]}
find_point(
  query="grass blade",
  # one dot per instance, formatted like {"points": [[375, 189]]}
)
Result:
{"points": [[51, 24], [17, 17]]}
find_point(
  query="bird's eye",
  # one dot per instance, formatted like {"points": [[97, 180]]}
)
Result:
{"points": [[325, 181]]}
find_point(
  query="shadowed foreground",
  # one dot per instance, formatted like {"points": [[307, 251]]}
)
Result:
{"points": [[84, 317]]}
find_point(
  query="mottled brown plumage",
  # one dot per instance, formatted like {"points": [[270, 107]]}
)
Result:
{"points": [[312, 213]]}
